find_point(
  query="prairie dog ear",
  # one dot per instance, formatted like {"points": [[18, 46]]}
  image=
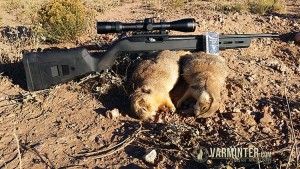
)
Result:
{"points": [[146, 89]]}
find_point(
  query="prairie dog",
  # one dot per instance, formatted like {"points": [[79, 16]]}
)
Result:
{"points": [[206, 75], [154, 79]]}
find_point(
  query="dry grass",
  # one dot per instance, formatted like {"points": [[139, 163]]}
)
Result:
{"points": [[167, 5], [101, 5], [253, 6], [156, 4], [264, 6], [23, 10], [232, 7], [1, 17]]}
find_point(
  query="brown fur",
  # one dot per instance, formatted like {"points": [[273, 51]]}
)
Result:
{"points": [[154, 79], [206, 75]]}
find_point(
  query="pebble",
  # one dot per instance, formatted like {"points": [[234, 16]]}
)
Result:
{"points": [[236, 110], [248, 112], [250, 78], [150, 156], [275, 65], [266, 130], [252, 129], [112, 114], [277, 18]]}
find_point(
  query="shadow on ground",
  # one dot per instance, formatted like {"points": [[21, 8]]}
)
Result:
{"points": [[16, 72]]}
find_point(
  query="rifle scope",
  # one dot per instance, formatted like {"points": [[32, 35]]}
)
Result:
{"points": [[183, 25]]}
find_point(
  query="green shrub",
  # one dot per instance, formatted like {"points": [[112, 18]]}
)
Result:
{"points": [[63, 20]]}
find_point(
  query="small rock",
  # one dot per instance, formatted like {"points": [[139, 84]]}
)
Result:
{"points": [[112, 114], [248, 112], [277, 18], [296, 110], [99, 140], [250, 78], [252, 129], [283, 23], [267, 118], [266, 130], [275, 65], [236, 110], [236, 16], [151, 156]]}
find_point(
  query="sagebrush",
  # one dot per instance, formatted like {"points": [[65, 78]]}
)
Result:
{"points": [[63, 20], [263, 6]]}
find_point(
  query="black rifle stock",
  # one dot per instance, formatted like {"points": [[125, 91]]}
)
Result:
{"points": [[44, 69]]}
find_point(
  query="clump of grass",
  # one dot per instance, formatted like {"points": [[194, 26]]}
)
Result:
{"points": [[101, 5], [229, 7], [166, 5], [156, 4], [1, 17], [264, 6], [12, 5], [25, 11], [278, 5], [177, 3], [63, 20]]}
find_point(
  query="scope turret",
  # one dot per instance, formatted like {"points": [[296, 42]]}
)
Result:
{"points": [[183, 25]]}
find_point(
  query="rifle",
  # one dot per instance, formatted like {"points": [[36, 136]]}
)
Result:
{"points": [[44, 69]]}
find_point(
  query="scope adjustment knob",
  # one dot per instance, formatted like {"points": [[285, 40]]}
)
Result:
{"points": [[149, 27]]}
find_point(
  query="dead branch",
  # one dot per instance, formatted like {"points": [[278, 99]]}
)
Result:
{"points": [[85, 79], [6, 105], [39, 115], [9, 161], [34, 151], [111, 150], [19, 150], [294, 146]]}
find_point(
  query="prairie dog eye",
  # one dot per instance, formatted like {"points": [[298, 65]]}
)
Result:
{"points": [[203, 108]]}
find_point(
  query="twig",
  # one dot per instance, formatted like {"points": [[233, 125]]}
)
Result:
{"points": [[9, 161], [294, 146], [33, 150], [19, 150], [6, 105], [155, 147], [83, 80], [113, 149], [4, 165], [116, 150], [39, 115], [71, 166]]}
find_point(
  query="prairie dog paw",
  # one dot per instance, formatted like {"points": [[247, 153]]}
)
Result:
{"points": [[179, 102], [172, 109]]}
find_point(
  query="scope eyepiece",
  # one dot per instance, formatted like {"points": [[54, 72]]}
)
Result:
{"points": [[183, 25]]}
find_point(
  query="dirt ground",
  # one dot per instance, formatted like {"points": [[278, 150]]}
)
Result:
{"points": [[70, 125]]}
